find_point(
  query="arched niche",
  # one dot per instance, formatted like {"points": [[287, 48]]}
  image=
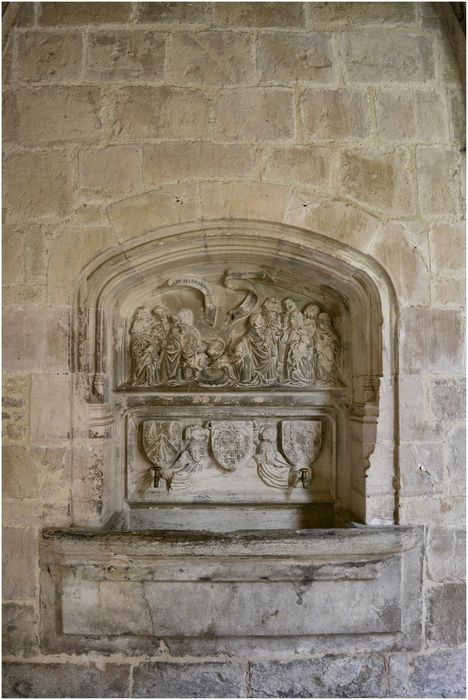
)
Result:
{"points": [[355, 475]]}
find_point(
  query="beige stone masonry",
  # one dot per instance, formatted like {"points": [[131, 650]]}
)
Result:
{"points": [[174, 14], [447, 245], [287, 58], [349, 15], [254, 113], [264, 14], [411, 115], [211, 58], [241, 200], [151, 112], [335, 115], [16, 408], [300, 164], [167, 162], [82, 13], [110, 171], [432, 341], [48, 56], [122, 55], [439, 172]]}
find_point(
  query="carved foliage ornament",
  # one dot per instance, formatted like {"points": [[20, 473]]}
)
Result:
{"points": [[277, 343], [230, 445]]}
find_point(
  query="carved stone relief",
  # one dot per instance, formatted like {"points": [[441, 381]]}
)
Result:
{"points": [[283, 451], [262, 340]]}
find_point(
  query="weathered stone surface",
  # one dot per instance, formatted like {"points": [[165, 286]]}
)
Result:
{"points": [[335, 114], [410, 115], [299, 164], [50, 409], [432, 340], [439, 173], [13, 271], [161, 112], [264, 14], [125, 55], [110, 171], [15, 407], [254, 113], [456, 459], [345, 15], [446, 554], [48, 57], [243, 200], [166, 162], [365, 57], [284, 58], [52, 115], [447, 246], [38, 184], [419, 423], [189, 680], [449, 289], [447, 399], [35, 338], [80, 13], [58, 680], [41, 473], [382, 180], [176, 13], [446, 614], [20, 634], [403, 251], [71, 252], [218, 58], [332, 217], [438, 674], [329, 676], [457, 116], [417, 510], [169, 205], [421, 468], [19, 563]]}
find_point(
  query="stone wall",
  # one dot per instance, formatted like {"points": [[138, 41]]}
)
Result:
{"points": [[342, 118]]}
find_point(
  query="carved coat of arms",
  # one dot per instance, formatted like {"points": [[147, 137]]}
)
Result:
{"points": [[232, 443], [301, 441]]}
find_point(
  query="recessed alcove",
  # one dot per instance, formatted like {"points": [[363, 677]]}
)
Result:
{"points": [[234, 421]]}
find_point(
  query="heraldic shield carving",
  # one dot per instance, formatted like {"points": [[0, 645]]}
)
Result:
{"points": [[162, 443], [301, 441], [232, 443]]}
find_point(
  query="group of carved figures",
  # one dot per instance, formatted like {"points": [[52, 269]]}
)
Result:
{"points": [[229, 445], [280, 345]]}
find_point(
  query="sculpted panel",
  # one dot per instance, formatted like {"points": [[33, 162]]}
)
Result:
{"points": [[262, 340]]}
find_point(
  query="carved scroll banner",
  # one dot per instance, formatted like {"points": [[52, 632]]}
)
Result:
{"points": [[232, 443], [205, 289]]}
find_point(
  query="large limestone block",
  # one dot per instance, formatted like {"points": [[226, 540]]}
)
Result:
{"points": [[382, 180], [20, 629], [284, 58], [239, 200], [332, 217], [174, 13], [15, 406], [447, 398], [80, 13], [163, 679], [13, 271], [449, 289], [41, 473], [254, 113], [335, 114], [110, 171], [411, 115], [71, 680], [169, 205], [446, 554], [402, 249], [48, 56], [432, 341], [166, 162], [38, 184], [35, 338], [447, 246], [218, 58], [50, 409], [71, 252], [19, 563], [439, 173], [326, 676], [259, 14], [374, 57], [300, 164], [421, 468], [161, 112], [347, 15], [419, 423], [439, 674], [53, 115], [125, 55], [446, 614]]}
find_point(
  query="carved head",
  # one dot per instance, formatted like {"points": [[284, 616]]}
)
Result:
{"points": [[215, 348], [324, 320], [296, 319], [186, 316], [161, 314], [289, 305], [268, 434], [311, 311], [272, 305]]}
